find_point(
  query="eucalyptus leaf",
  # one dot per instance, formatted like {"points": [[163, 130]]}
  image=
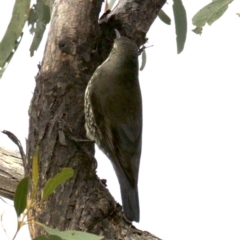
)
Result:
{"points": [[54, 182], [20, 197], [49, 237], [209, 14], [38, 19], [13, 34], [144, 60], [71, 235], [164, 17], [180, 19], [35, 168]]}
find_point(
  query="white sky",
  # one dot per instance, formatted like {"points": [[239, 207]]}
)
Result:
{"points": [[189, 178]]}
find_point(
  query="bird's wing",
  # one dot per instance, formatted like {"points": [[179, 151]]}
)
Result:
{"points": [[118, 115], [121, 140]]}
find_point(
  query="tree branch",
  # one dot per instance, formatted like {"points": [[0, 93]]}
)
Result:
{"points": [[133, 18], [11, 172]]}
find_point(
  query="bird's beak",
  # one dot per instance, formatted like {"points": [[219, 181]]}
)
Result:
{"points": [[118, 35]]}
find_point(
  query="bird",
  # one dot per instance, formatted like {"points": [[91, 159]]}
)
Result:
{"points": [[113, 118]]}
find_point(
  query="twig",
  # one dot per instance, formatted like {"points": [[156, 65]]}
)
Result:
{"points": [[18, 143]]}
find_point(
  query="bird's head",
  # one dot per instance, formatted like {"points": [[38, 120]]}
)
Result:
{"points": [[124, 46]]}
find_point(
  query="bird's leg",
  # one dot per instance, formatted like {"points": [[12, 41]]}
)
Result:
{"points": [[64, 133]]}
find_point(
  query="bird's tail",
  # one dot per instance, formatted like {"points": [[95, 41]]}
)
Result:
{"points": [[130, 202]]}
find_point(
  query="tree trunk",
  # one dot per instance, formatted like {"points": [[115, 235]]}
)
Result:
{"points": [[76, 45]]}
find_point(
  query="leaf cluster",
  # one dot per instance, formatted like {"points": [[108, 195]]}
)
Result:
{"points": [[38, 16], [25, 202]]}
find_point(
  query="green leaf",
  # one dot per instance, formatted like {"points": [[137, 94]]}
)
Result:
{"points": [[198, 30], [71, 235], [209, 14], [58, 179], [40, 29], [39, 17], [20, 197], [144, 60], [13, 34], [164, 17], [180, 19], [35, 170], [49, 237]]}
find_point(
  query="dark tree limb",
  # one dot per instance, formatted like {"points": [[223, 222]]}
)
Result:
{"points": [[18, 143], [76, 45], [133, 18]]}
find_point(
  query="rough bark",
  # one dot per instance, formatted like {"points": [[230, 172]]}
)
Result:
{"points": [[76, 45]]}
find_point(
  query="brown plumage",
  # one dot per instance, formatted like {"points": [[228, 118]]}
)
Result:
{"points": [[113, 115]]}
